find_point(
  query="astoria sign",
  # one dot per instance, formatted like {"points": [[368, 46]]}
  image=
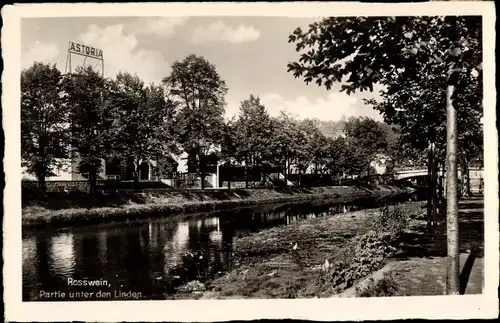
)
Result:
{"points": [[85, 50]]}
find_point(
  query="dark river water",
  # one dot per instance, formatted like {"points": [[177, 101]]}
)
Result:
{"points": [[150, 259]]}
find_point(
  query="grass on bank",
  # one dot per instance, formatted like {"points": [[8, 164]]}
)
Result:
{"points": [[75, 209]]}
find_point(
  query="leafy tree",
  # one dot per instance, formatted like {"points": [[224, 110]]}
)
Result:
{"points": [[198, 89], [404, 55], [394, 148], [284, 143], [229, 145], [144, 121], [320, 146], [92, 121], [254, 132], [338, 156], [470, 129], [44, 122], [366, 138], [430, 57], [308, 144], [166, 166]]}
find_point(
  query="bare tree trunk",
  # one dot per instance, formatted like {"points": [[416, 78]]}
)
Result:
{"points": [[440, 184], [40, 170], [287, 169], [466, 176], [434, 189], [202, 171], [136, 176], [246, 171], [92, 181], [453, 268], [42, 184], [284, 173], [431, 188]]}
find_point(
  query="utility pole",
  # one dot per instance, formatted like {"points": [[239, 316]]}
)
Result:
{"points": [[453, 263], [430, 187]]}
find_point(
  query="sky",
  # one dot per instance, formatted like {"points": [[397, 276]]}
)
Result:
{"points": [[249, 53]]}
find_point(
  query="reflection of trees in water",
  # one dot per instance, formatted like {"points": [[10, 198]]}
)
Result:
{"points": [[30, 258], [175, 247], [62, 255], [206, 249], [102, 247], [135, 260], [126, 256], [136, 257], [86, 248], [31, 268], [46, 281], [159, 235], [48, 262]]}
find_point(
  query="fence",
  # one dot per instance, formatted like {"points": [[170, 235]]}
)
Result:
{"points": [[32, 187]]}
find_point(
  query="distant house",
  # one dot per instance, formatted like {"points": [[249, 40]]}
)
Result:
{"points": [[332, 129], [380, 163]]}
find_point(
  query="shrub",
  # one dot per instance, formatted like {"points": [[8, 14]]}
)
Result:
{"points": [[382, 288], [393, 221], [369, 252]]}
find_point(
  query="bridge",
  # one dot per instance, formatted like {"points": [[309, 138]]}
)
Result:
{"points": [[410, 172]]}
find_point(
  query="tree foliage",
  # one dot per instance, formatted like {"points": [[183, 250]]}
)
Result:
{"points": [[44, 122], [367, 139], [254, 131], [144, 121], [362, 51], [92, 120], [411, 58], [195, 85]]}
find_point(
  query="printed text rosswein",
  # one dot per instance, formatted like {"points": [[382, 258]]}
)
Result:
{"points": [[87, 282]]}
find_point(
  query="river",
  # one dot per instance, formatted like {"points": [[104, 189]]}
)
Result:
{"points": [[152, 258]]}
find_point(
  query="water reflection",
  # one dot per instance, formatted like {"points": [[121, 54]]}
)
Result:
{"points": [[62, 254], [102, 247], [155, 256]]}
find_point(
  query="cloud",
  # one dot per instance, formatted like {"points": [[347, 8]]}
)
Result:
{"points": [[164, 27], [219, 32], [121, 53], [333, 107], [40, 52]]}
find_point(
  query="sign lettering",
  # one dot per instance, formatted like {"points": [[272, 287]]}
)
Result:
{"points": [[85, 50]]}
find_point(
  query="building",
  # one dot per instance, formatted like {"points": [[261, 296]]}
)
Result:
{"points": [[113, 168]]}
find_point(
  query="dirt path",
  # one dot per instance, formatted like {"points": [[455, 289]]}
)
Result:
{"points": [[424, 271]]}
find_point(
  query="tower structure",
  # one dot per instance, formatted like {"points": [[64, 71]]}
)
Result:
{"points": [[81, 55]]}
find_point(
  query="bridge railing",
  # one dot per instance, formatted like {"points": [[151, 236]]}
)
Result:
{"points": [[410, 169]]}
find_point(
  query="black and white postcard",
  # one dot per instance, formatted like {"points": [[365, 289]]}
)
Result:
{"points": [[210, 162]]}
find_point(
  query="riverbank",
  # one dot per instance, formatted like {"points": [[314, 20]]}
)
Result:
{"points": [[65, 209], [376, 252], [318, 257]]}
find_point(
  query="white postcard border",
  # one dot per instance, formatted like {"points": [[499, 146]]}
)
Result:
{"points": [[432, 307]]}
